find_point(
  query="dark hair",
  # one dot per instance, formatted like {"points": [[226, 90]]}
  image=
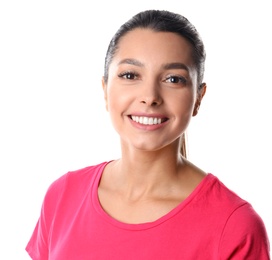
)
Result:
{"points": [[162, 21]]}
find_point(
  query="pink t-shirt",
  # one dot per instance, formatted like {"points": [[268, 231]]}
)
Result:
{"points": [[212, 223]]}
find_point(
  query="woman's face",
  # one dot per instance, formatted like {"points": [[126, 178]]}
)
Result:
{"points": [[151, 89]]}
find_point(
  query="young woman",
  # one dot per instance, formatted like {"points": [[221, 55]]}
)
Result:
{"points": [[152, 203]]}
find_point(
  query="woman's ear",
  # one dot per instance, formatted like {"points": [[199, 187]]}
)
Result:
{"points": [[200, 94], [104, 86]]}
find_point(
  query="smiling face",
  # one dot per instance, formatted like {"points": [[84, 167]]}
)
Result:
{"points": [[151, 89]]}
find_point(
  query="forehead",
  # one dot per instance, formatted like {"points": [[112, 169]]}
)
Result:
{"points": [[157, 46]]}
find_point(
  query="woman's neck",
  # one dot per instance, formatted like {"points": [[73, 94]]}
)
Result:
{"points": [[140, 173]]}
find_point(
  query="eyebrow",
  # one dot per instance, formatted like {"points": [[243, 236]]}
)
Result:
{"points": [[175, 65], [131, 62], [167, 66]]}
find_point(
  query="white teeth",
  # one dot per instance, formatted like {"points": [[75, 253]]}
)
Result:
{"points": [[146, 120]]}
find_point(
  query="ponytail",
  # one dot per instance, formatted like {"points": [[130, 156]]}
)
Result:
{"points": [[183, 148]]}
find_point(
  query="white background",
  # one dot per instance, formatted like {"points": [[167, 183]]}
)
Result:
{"points": [[52, 112]]}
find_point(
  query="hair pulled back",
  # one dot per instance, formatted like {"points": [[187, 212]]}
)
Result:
{"points": [[161, 21]]}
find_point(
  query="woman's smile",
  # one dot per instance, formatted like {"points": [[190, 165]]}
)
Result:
{"points": [[146, 120], [147, 123]]}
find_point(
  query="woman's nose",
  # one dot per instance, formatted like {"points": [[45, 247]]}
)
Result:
{"points": [[151, 95]]}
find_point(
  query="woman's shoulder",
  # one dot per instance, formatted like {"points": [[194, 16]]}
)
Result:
{"points": [[241, 220], [83, 175], [74, 180], [79, 175], [221, 193], [209, 187], [244, 231], [242, 210]]}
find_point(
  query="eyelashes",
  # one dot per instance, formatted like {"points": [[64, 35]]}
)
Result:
{"points": [[130, 75], [172, 79], [176, 79]]}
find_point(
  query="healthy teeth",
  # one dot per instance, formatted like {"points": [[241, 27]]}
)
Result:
{"points": [[146, 120]]}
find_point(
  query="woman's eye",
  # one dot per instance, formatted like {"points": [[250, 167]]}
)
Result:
{"points": [[128, 75], [176, 79]]}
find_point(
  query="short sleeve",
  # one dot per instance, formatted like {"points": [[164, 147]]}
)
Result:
{"points": [[38, 244], [244, 236]]}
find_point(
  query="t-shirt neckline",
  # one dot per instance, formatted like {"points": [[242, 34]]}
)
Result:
{"points": [[145, 225]]}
